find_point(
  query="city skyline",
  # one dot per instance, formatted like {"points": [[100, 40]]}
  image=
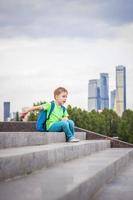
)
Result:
{"points": [[99, 93], [46, 44]]}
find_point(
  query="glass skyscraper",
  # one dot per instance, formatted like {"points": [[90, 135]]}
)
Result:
{"points": [[112, 99], [120, 101], [93, 95], [98, 93], [104, 90], [6, 110]]}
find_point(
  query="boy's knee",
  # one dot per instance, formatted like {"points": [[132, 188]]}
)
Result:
{"points": [[64, 123], [71, 122]]}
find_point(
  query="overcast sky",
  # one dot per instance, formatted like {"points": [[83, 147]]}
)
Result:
{"points": [[49, 43]]}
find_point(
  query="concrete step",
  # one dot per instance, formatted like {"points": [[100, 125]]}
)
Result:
{"points": [[119, 188], [24, 160], [78, 179], [17, 139]]}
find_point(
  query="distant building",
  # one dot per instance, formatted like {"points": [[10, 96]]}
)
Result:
{"points": [[93, 95], [15, 116], [112, 99], [104, 90], [120, 101], [98, 93], [6, 111]]}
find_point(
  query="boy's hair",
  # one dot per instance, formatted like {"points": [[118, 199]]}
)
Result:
{"points": [[59, 90]]}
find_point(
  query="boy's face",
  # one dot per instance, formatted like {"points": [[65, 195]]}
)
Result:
{"points": [[61, 98]]}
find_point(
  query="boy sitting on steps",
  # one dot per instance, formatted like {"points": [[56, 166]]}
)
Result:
{"points": [[58, 120]]}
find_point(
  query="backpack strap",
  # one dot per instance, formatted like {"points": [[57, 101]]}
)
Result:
{"points": [[63, 108], [51, 109]]}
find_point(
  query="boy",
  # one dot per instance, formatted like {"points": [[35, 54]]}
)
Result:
{"points": [[58, 120]]}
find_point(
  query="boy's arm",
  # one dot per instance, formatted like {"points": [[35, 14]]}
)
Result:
{"points": [[31, 109], [66, 115], [65, 118]]}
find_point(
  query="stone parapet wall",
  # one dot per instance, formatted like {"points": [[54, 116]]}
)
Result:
{"points": [[31, 126], [115, 143], [17, 126]]}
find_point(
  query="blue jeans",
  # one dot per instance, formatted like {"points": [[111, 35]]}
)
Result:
{"points": [[66, 126]]}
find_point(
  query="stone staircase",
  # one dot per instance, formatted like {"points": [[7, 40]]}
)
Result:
{"points": [[43, 166]]}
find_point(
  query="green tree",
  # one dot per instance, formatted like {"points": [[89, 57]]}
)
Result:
{"points": [[110, 122], [126, 126], [17, 116], [106, 122]]}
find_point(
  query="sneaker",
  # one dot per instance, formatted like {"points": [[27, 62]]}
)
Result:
{"points": [[74, 140]]}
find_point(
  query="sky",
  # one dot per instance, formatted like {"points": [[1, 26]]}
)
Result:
{"points": [[45, 44]]}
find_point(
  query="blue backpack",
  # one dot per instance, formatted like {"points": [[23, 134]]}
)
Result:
{"points": [[42, 118]]}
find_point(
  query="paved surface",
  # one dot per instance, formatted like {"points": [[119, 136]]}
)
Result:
{"points": [[24, 160], [75, 180], [17, 139], [28, 149], [120, 188]]}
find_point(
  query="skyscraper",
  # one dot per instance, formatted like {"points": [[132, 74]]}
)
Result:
{"points": [[6, 110], [112, 99], [104, 90], [120, 101], [93, 95]]}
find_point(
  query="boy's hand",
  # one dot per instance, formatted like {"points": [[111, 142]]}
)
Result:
{"points": [[23, 114], [64, 118]]}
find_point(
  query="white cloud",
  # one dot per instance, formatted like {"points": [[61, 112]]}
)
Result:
{"points": [[44, 18]]}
